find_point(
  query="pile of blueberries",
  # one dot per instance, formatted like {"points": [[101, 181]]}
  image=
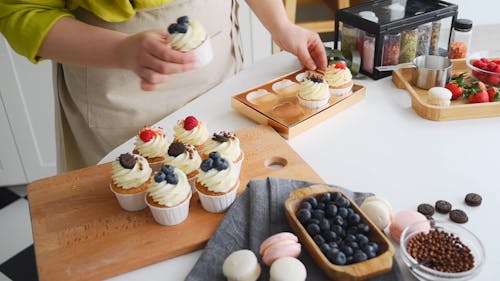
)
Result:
{"points": [[181, 26], [337, 229], [215, 161], [166, 173]]}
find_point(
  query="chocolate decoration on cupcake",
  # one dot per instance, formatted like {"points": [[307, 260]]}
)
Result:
{"points": [[190, 150], [316, 78], [127, 160], [219, 138], [176, 149]]}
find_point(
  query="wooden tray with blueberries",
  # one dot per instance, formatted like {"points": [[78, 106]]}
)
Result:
{"points": [[275, 103], [459, 109]]}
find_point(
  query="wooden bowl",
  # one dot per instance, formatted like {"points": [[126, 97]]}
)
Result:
{"points": [[380, 264]]}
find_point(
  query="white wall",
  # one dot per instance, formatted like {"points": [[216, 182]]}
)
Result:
{"points": [[481, 12]]}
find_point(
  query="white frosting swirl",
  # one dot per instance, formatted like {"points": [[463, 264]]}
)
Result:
{"points": [[168, 194], [194, 36], [130, 178], [156, 147], [219, 181], [310, 90], [229, 149], [187, 162], [337, 76], [196, 136]]}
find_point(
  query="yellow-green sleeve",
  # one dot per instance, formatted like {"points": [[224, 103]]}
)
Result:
{"points": [[26, 23]]}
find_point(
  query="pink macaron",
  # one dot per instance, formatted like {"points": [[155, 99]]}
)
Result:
{"points": [[403, 219], [280, 245]]}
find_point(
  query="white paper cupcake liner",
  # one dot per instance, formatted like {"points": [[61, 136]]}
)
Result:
{"points": [[170, 216], [340, 91], [192, 183], [156, 166], [238, 164], [218, 204], [131, 202], [204, 52], [313, 104]]}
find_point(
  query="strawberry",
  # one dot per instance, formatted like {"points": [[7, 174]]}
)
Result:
{"points": [[493, 79], [340, 65], [479, 97], [455, 89], [146, 135], [476, 93], [190, 123], [493, 94]]}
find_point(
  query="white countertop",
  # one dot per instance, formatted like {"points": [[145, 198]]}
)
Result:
{"points": [[379, 145]]}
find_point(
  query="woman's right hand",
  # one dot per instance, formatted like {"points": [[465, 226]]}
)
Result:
{"points": [[149, 56]]}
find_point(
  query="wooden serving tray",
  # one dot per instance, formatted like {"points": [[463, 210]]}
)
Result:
{"points": [[353, 272], [81, 233], [459, 109], [290, 125]]}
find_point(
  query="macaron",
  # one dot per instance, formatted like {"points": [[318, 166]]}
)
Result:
{"points": [[378, 210], [287, 269], [283, 244], [403, 219], [241, 265]]}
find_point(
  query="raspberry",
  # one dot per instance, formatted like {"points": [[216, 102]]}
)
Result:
{"points": [[190, 123], [146, 135], [340, 65]]}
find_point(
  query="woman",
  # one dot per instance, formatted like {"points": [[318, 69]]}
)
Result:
{"points": [[114, 71]]}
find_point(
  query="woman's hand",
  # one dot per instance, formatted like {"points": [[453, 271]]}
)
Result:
{"points": [[303, 43], [148, 55]]}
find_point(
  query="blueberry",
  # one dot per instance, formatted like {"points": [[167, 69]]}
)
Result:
{"points": [[348, 251], [324, 224], [331, 210], [354, 245], [342, 212], [214, 155], [312, 221], [364, 228], [350, 211], [349, 260], [352, 230], [324, 248], [359, 256], [207, 164], [321, 206], [303, 215], [374, 245], [330, 254], [183, 20], [362, 239], [172, 179], [330, 236], [318, 214], [333, 244], [182, 28], [221, 164], [172, 28], [318, 238], [369, 250], [338, 220], [306, 205], [325, 197], [335, 196], [338, 258], [370, 254], [350, 238], [167, 169], [342, 202], [313, 202], [313, 229], [337, 229], [160, 176], [353, 219]]}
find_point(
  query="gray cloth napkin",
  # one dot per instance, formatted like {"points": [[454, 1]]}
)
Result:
{"points": [[255, 215]]}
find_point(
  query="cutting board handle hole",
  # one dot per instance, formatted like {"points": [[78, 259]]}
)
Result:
{"points": [[275, 163]]}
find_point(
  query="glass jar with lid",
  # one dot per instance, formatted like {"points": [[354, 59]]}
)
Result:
{"points": [[460, 39]]}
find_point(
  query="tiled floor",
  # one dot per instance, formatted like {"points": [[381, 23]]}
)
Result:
{"points": [[17, 257]]}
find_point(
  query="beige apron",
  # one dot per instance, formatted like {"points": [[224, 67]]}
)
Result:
{"points": [[98, 109]]}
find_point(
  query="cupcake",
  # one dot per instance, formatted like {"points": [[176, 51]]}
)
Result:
{"points": [[191, 131], [152, 144], [440, 96], [217, 183], [339, 79], [187, 35], [313, 92], [227, 144], [130, 177], [186, 158], [168, 196]]}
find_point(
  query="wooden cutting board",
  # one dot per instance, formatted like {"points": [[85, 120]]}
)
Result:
{"points": [[81, 233]]}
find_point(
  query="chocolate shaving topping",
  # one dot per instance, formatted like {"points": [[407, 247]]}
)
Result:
{"points": [[219, 138], [316, 78], [190, 150], [176, 149], [127, 160]]}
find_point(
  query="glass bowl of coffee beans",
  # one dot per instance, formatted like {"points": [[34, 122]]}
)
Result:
{"points": [[440, 250]]}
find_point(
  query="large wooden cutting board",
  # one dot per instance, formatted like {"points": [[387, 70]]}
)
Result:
{"points": [[80, 232]]}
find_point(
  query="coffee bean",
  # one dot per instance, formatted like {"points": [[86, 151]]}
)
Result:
{"points": [[473, 199], [426, 209], [458, 216], [443, 206]]}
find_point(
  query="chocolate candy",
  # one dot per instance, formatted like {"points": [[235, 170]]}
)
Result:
{"points": [[459, 216], [473, 199], [426, 209], [176, 149], [127, 160], [220, 138], [443, 206]]}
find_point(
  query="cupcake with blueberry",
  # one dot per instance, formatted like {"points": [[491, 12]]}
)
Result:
{"points": [[188, 35], [168, 196], [313, 92], [339, 79], [152, 143], [217, 183], [130, 177], [186, 158], [191, 131], [227, 144]]}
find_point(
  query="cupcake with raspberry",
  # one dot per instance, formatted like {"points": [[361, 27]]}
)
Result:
{"points": [[188, 35], [186, 158], [339, 79], [168, 196], [191, 131], [227, 144], [217, 183], [130, 177], [152, 143], [313, 92]]}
